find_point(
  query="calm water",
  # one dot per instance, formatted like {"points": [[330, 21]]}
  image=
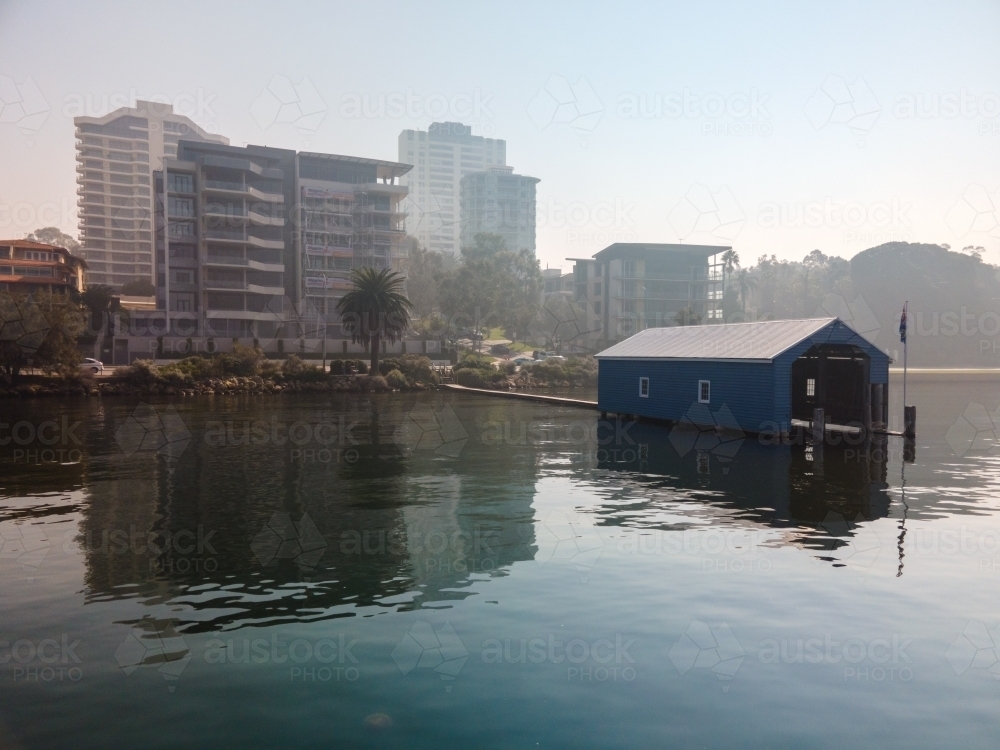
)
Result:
{"points": [[446, 570]]}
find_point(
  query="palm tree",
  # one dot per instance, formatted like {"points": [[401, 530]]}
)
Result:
{"points": [[730, 260], [375, 309], [745, 283]]}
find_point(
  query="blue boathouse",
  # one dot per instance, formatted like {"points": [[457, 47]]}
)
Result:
{"points": [[756, 377]]}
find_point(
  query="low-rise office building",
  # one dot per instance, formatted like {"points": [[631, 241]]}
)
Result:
{"points": [[628, 287]]}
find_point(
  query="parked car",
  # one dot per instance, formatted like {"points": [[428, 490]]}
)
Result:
{"points": [[522, 360], [92, 365], [500, 349]]}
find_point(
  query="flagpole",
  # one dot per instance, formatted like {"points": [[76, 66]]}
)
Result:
{"points": [[905, 337]]}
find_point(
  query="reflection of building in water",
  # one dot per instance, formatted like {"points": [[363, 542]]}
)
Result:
{"points": [[450, 535], [815, 494], [268, 532]]}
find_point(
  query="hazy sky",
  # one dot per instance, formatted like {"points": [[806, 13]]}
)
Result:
{"points": [[775, 127]]}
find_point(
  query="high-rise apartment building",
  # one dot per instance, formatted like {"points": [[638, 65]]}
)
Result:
{"points": [[348, 214], [260, 243], [441, 156], [115, 156], [497, 201]]}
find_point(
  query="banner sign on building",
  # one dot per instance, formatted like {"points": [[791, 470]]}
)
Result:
{"points": [[329, 251]]}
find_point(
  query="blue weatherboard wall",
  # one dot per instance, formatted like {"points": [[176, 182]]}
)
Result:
{"points": [[746, 388], [757, 393]]}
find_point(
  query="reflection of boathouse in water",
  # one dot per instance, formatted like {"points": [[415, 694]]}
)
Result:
{"points": [[816, 493]]}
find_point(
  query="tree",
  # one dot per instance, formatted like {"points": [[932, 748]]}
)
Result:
{"points": [[98, 297], [730, 260], [422, 272], [687, 317], [375, 309], [493, 286], [54, 236], [41, 331], [745, 284], [139, 288]]}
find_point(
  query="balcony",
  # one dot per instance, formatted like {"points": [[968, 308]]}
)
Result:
{"points": [[265, 196], [271, 221], [233, 235], [235, 187], [225, 260], [211, 210], [225, 284]]}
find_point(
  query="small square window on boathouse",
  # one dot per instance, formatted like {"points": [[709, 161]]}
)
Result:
{"points": [[644, 387], [704, 391]]}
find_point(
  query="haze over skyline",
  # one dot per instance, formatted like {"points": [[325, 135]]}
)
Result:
{"points": [[775, 129]]}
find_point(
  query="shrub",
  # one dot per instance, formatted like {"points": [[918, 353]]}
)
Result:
{"points": [[474, 361], [295, 369], [197, 368], [142, 372], [396, 380], [416, 367], [242, 361], [374, 384], [470, 377], [176, 379], [337, 367]]}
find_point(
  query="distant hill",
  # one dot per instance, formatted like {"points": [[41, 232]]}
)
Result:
{"points": [[868, 292], [954, 303]]}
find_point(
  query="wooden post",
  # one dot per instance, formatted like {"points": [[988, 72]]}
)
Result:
{"points": [[818, 425], [820, 402], [866, 398], [876, 410], [910, 421]]}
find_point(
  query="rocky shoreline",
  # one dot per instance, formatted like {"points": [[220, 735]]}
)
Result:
{"points": [[234, 385]]}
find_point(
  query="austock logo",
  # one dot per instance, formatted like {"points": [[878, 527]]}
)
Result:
{"points": [[718, 434], [850, 104], [858, 315], [974, 430], [427, 430], [566, 322], [154, 643], [562, 102], [25, 544], [284, 539], [976, 211], [283, 101], [23, 105], [22, 324], [148, 430], [976, 648], [708, 647], [702, 212], [424, 647], [855, 545], [569, 536]]}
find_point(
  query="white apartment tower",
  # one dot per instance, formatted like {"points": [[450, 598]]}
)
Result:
{"points": [[115, 156], [441, 156]]}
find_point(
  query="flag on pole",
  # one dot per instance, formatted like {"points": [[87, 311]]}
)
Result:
{"points": [[902, 325]]}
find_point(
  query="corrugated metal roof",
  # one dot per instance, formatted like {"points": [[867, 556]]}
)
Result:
{"points": [[763, 340]]}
